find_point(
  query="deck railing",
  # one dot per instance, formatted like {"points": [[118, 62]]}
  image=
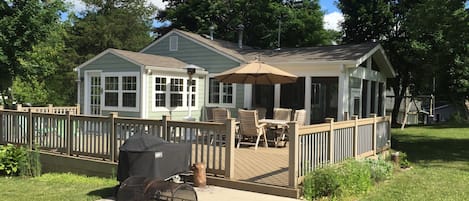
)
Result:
{"points": [[101, 137], [74, 110], [310, 147], [318, 145]]}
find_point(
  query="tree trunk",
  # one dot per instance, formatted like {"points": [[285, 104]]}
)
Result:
{"points": [[399, 93]]}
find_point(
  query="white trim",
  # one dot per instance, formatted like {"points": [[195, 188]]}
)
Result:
{"points": [[79, 88], [120, 91], [370, 54], [86, 98], [175, 70], [207, 94], [175, 31], [109, 50], [343, 94], [277, 95], [144, 94]]}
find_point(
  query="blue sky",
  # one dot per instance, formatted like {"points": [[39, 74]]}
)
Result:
{"points": [[328, 6]]}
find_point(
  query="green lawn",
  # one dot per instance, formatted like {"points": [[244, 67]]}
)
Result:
{"points": [[55, 187], [440, 159]]}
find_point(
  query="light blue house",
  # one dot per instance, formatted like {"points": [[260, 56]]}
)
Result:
{"points": [[334, 81]]}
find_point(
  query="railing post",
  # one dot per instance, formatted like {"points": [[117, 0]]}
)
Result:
{"points": [[293, 155], [1, 125], [50, 108], [166, 133], [112, 117], [78, 109], [229, 148], [374, 132], [68, 133], [331, 139], [30, 129], [355, 136], [389, 130]]}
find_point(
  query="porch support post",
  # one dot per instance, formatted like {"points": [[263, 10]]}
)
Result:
{"points": [[308, 98], [383, 105], [276, 95], [376, 98], [293, 156], [248, 96], [343, 94], [368, 88], [230, 147]]}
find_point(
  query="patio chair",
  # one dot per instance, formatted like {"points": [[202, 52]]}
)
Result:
{"points": [[282, 114], [220, 115], [261, 111], [300, 117], [250, 128]]}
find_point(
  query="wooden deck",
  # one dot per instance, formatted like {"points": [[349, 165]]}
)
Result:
{"points": [[263, 166]]}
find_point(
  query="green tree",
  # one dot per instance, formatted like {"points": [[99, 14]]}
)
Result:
{"points": [[23, 24], [117, 24], [301, 24], [416, 36]]}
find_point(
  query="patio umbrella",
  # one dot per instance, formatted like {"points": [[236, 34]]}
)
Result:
{"points": [[256, 72]]}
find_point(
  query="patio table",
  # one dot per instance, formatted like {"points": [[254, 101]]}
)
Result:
{"points": [[273, 125]]}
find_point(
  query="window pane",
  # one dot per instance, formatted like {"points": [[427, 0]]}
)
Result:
{"points": [[129, 99], [129, 83], [176, 85], [111, 99], [192, 100], [160, 100], [176, 100], [112, 83], [214, 91], [193, 85], [227, 93], [160, 84]]}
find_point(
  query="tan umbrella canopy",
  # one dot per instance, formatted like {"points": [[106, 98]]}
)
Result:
{"points": [[256, 72]]}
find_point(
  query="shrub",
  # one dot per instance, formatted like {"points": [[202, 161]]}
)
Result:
{"points": [[347, 178], [322, 182], [403, 162], [380, 169], [32, 167], [12, 158], [354, 177]]}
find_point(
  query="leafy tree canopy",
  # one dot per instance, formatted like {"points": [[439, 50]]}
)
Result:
{"points": [[301, 24], [23, 24]]}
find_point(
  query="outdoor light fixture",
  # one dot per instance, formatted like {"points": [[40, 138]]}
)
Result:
{"points": [[190, 71]]}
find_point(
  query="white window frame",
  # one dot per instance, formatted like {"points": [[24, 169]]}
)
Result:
{"points": [[120, 91], [219, 104], [168, 93], [173, 43]]}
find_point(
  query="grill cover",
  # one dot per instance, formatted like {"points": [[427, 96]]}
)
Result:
{"points": [[152, 157]]}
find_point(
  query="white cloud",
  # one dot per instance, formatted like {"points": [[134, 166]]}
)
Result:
{"points": [[158, 3], [333, 20], [76, 5]]}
